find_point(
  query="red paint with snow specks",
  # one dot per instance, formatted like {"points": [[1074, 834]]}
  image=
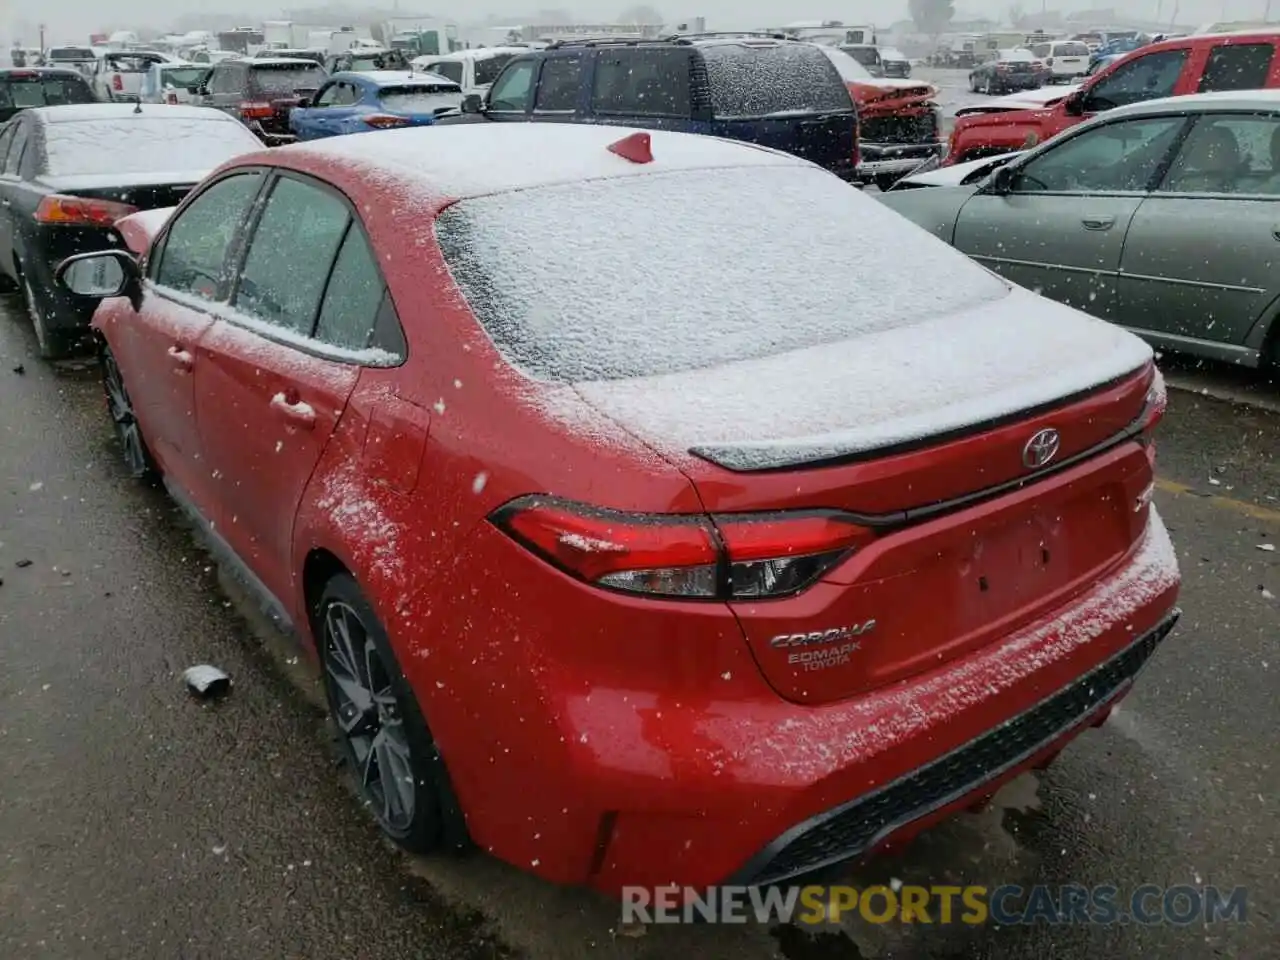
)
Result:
{"points": [[643, 661]]}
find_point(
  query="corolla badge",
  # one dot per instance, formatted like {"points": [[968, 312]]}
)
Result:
{"points": [[1041, 449]]}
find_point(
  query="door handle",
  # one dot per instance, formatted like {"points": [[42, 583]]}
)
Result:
{"points": [[300, 414], [1098, 223], [181, 358], [5, 203]]}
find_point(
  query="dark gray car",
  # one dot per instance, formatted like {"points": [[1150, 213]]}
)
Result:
{"points": [[1163, 217]]}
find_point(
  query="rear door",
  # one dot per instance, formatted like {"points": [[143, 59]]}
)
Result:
{"points": [[333, 104], [268, 394], [1200, 259], [1061, 229], [189, 274], [1237, 66], [786, 96]]}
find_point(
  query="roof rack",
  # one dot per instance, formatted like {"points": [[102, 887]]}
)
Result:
{"points": [[599, 41], [729, 35]]}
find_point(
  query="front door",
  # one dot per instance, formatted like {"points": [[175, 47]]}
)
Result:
{"points": [[268, 397], [1202, 256], [1060, 229], [188, 269]]}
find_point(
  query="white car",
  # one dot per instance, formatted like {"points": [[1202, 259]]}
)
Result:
{"points": [[119, 73], [473, 70], [1066, 59], [172, 82]]}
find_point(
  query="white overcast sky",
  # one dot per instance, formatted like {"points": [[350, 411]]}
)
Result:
{"points": [[71, 18]]}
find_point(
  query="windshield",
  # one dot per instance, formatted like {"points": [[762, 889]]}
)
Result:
{"points": [[287, 79], [631, 277], [130, 64], [488, 68], [43, 92], [142, 144], [429, 98], [867, 56], [182, 76], [753, 82], [1017, 56]]}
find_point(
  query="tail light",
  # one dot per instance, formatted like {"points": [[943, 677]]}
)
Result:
{"points": [[254, 110], [172, 98], [1153, 410], [717, 557], [55, 208], [117, 82], [384, 121], [1049, 62]]}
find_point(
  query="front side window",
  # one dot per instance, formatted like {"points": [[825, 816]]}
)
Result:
{"points": [[1148, 77], [349, 313], [1237, 66], [512, 92], [1116, 157], [559, 85], [1228, 154], [786, 80], [488, 68], [290, 254], [637, 82], [194, 259]]}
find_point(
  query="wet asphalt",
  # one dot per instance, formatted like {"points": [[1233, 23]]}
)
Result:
{"points": [[138, 822]]}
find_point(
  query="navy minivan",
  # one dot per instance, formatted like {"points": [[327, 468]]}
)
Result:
{"points": [[762, 89]]}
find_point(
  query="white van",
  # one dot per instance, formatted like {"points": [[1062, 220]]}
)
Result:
{"points": [[473, 70], [1066, 59]]}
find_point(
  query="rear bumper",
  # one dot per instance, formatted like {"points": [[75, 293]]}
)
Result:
{"points": [[43, 249], [671, 789]]}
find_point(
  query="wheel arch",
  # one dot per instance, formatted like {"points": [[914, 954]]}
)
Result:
{"points": [[1264, 335]]}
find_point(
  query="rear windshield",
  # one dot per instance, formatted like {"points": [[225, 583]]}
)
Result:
{"points": [[183, 76], [428, 98], [1017, 56], [446, 68], [71, 53], [129, 64], [611, 279], [488, 68], [286, 79], [753, 82], [142, 144], [43, 91], [867, 56], [1071, 50]]}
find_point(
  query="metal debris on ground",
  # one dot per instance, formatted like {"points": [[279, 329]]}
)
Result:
{"points": [[207, 681]]}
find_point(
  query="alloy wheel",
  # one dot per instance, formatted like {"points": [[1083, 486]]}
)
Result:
{"points": [[120, 407], [368, 715]]}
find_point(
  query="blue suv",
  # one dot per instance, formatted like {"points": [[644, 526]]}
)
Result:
{"points": [[760, 88]]}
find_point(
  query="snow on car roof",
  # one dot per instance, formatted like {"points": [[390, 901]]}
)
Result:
{"points": [[282, 62], [80, 112], [468, 160], [396, 78], [481, 53]]}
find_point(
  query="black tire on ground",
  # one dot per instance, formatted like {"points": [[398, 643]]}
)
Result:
{"points": [[133, 445], [53, 344], [382, 730]]}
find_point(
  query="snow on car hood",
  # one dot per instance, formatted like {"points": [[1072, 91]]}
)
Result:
{"points": [[1024, 100], [878, 390]]}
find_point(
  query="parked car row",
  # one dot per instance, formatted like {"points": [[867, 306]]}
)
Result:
{"points": [[502, 469]]}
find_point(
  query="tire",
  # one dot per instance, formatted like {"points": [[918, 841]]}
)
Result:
{"points": [[53, 344], [973, 83], [133, 445], [380, 724]]}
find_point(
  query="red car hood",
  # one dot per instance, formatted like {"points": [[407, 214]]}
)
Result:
{"points": [[885, 96], [1004, 118]]}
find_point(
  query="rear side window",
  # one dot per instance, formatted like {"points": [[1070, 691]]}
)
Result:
{"points": [[289, 257], [447, 68], [748, 82], [424, 98], [194, 259], [1237, 66], [652, 82], [14, 159], [349, 313], [1147, 77], [286, 81], [559, 84]]}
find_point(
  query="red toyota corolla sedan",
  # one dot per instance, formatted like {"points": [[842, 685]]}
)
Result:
{"points": [[650, 524]]}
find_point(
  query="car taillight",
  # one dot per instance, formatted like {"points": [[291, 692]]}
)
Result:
{"points": [[172, 98], [1154, 407], [717, 557], [1049, 62], [384, 121], [255, 110], [117, 82], [56, 208]]}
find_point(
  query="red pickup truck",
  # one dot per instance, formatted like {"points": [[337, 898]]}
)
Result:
{"points": [[1171, 68]]}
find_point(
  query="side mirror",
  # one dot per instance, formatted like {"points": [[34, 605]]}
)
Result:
{"points": [[304, 102], [107, 273], [1074, 104], [1001, 182], [473, 103]]}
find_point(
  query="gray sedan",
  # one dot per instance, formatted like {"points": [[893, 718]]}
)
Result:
{"points": [[1163, 217]]}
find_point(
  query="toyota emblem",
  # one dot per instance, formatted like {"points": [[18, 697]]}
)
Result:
{"points": [[1040, 449]]}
